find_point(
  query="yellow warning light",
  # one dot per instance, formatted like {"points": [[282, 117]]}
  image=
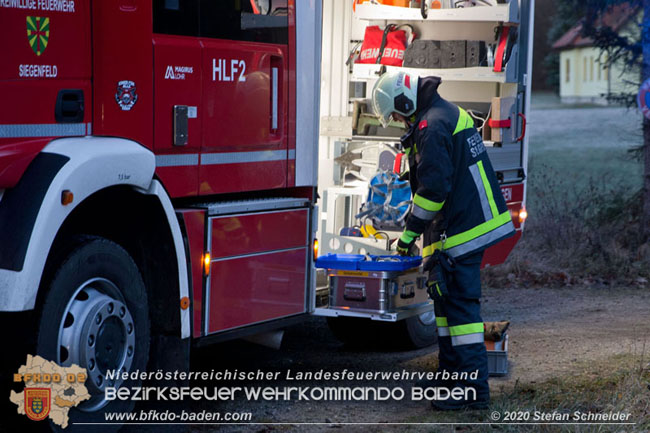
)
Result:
{"points": [[315, 249], [523, 214], [206, 264]]}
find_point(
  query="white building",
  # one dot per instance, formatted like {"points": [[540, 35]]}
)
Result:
{"points": [[585, 73]]}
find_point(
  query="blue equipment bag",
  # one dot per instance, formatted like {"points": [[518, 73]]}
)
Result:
{"points": [[388, 201]]}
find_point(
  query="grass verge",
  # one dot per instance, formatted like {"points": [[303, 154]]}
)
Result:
{"points": [[619, 384], [582, 233]]}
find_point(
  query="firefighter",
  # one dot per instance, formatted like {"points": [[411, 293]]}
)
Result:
{"points": [[458, 206]]}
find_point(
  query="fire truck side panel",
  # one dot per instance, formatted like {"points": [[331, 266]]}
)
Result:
{"points": [[259, 268], [242, 171], [257, 233], [255, 288], [48, 59], [122, 70], [244, 117], [177, 82], [308, 66]]}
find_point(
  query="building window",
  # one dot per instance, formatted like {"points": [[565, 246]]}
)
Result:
{"points": [[591, 69], [584, 69], [600, 69], [606, 69], [567, 71]]}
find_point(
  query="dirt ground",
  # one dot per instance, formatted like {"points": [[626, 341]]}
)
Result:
{"points": [[553, 332]]}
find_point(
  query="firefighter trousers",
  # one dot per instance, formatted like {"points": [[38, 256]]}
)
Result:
{"points": [[460, 329]]}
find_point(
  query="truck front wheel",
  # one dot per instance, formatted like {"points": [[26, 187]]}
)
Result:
{"points": [[95, 315]]}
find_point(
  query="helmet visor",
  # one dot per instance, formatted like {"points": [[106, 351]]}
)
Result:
{"points": [[382, 105]]}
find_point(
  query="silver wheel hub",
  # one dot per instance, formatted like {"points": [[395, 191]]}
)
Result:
{"points": [[428, 318], [97, 333]]}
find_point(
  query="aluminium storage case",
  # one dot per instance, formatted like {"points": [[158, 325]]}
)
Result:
{"points": [[383, 284]]}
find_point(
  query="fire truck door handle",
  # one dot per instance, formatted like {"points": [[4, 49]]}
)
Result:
{"points": [[69, 106], [274, 98]]}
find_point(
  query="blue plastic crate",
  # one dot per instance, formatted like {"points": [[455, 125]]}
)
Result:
{"points": [[358, 262]]}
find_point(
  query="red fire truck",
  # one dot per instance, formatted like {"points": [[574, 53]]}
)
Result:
{"points": [[154, 179], [158, 175]]}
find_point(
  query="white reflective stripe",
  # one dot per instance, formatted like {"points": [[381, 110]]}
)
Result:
{"points": [[443, 331], [242, 157], [44, 130], [223, 158], [485, 203], [177, 160], [482, 240], [460, 340], [423, 214]]}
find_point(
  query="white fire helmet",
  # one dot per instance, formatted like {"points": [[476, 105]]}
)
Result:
{"points": [[394, 92]]}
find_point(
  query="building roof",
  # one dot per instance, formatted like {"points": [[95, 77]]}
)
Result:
{"points": [[615, 17]]}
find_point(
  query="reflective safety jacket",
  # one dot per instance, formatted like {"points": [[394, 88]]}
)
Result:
{"points": [[456, 195]]}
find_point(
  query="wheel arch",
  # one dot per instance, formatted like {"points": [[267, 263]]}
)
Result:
{"points": [[136, 221], [104, 174]]}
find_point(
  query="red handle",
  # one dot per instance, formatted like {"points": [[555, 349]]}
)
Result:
{"points": [[499, 123], [523, 126]]}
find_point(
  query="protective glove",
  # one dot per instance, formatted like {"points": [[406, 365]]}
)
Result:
{"points": [[437, 290], [405, 242], [437, 283]]}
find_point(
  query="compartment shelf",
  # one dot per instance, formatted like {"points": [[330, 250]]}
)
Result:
{"points": [[363, 72], [506, 13]]}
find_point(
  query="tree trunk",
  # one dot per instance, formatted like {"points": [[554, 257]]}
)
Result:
{"points": [[645, 74]]}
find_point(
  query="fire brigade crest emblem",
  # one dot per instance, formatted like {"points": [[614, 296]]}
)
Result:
{"points": [[37, 403], [126, 95], [38, 33]]}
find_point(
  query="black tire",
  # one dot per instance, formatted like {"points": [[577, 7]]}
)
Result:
{"points": [[99, 287], [421, 330]]}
